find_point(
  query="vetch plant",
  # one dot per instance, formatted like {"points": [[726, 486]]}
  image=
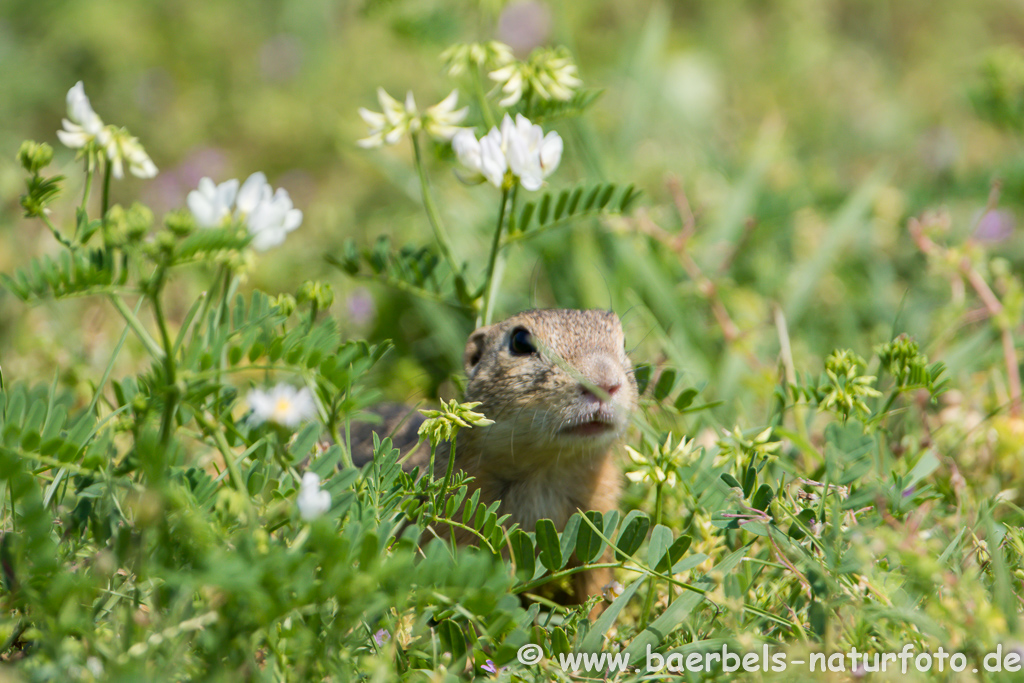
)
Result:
{"points": [[521, 149], [193, 510], [518, 153], [396, 119], [268, 215], [84, 130], [549, 74]]}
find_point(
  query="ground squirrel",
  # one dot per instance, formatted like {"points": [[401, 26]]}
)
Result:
{"points": [[560, 389]]}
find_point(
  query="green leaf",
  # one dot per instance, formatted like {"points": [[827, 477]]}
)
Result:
{"points": [[549, 545], [524, 217], [763, 498], [569, 535], [563, 199], [629, 195], [634, 531], [730, 481], [749, 480], [588, 544], [523, 553], [674, 553], [685, 398], [665, 384], [543, 209], [661, 539], [453, 640], [642, 373]]}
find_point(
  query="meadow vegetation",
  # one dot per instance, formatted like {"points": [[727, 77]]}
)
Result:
{"points": [[244, 234]]}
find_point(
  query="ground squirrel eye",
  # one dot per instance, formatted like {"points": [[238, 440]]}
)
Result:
{"points": [[520, 342]]}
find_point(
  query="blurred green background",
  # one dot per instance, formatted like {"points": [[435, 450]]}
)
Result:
{"points": [[804, 134]]}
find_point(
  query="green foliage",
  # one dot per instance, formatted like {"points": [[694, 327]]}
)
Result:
{"points": [[781, 490], [553, 211]]}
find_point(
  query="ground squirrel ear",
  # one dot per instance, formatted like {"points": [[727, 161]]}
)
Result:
{"points": [[474, 350]]}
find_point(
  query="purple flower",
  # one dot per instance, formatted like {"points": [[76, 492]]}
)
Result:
{"points": [[493, 669], [381, 637], [995, 226], [361, 307]]}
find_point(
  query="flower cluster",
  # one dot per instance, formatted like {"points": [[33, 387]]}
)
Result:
{"points": [[459, 58], [83, 127], [268, 215], [441, 121], [550, 74], [661, 466], [283, 404], [443, 425], [847, 389], [521, 149]]}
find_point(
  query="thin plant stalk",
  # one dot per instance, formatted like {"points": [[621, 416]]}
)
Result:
{"points": [[170, 400], [443, 242], [649, 600], [491, 281]]}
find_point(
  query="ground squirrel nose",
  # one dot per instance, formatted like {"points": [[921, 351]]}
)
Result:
{"points": [[608, 387]]}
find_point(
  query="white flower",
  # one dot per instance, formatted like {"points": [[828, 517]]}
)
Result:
{"points": [[95, 666], [550, 74], [519, 147], [612, 590], [532, 156], [123, 147], [396, 119], [283, 404], [511, 78], [312, 501], [253, 192], [484, 156], [82, 125], [388, 126], [268, 215], [442, 120], [272, 219], [211, 204], [458, 58]]}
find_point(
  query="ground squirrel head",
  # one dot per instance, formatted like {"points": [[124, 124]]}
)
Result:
{"points": [[554, 381]]}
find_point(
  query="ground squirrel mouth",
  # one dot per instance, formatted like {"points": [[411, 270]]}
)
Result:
{"points": [[594, 427]]}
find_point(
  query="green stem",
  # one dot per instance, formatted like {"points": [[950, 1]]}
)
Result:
{"points": [[170, 400], [88, 186], [206, 301], [56, 233], [481, 97], [234, 474], [432, 214], [110, 366], [649, 600], [106, 191], [447, 477], [136, 325], [491, 282], [314, 309]]}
